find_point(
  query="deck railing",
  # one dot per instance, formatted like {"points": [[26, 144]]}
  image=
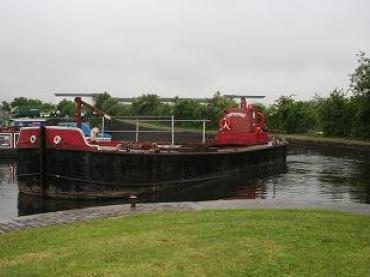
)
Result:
{"points": [[172, 120]]}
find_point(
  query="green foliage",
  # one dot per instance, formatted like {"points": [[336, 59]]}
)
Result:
{"points": [[187, 109], [361, 116], [111, 105], [5, 106], [360, 79], [30, 107], [151, 105], [260, 107], [118, 109], [147, 104], [26, 112], [278, 113], [25, 102], [335, 114], [360, 86], [290, 116], [47, 107], [166, 109], [67, 108], [101, 99]]}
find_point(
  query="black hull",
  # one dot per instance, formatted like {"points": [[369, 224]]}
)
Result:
{"points": [[7, 153], [89, 174], [214, 189]]}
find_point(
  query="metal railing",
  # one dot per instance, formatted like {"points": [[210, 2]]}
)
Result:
{"points": [[172, 120]]}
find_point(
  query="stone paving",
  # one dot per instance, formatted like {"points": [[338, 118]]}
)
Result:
{"points": [[80, 215]]}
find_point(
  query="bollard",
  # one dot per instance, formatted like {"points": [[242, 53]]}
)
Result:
{"points": [[133, 200]]}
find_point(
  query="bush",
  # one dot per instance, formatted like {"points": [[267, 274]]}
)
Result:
{"points": [[334, 114]]}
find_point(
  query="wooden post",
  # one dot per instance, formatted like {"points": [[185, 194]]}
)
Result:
{"points": [[137, 131], [42, 156], [204, 132], [102, 128], [79, 112], [173, 131]]}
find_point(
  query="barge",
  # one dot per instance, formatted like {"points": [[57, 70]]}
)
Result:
{"points": [[61, 162]]}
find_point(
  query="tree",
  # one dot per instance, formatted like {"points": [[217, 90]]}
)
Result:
{"points": [[335, 114], [47, 107], [360, 79], [101, 99], [187, 109], [117, 109], [27, 106], [360, 87], [290, 116], [278, 113], [260, 107], [147, 104], [111, 105], [67, 108], [23, 102], [5, 106]]}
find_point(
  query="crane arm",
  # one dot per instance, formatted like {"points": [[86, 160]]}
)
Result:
{"points": [[90, 108]]}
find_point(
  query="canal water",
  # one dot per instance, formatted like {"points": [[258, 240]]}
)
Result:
{"points": [[310, 174]]}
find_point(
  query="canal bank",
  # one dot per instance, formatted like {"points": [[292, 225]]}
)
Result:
{"points": [[85, 214], [306, 141]]}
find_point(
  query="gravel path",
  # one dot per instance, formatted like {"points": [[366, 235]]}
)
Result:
{"points": [[80, 215]]}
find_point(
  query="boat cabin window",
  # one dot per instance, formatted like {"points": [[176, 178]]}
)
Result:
{"points": [[5, 140]]}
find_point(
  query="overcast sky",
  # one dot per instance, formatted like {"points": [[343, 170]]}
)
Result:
{"points": [[185, 48]]}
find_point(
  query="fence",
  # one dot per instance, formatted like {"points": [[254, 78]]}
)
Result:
{"points": [[172, 120]]}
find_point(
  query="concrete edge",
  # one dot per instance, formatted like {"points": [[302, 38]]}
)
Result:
{"points": [[100, 212]]}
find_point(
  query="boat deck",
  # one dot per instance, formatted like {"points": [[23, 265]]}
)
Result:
{"points": [[166, 148]]}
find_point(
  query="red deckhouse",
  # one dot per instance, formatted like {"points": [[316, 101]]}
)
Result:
{"points": [[241, 126]]}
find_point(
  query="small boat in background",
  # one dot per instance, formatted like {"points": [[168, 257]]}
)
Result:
{"points": [[9, 133], [8, 140]]}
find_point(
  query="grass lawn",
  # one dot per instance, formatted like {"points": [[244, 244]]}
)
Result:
{"points": [[212, 243]]}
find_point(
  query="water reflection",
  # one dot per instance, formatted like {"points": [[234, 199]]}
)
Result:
{"points": [[324, 175], [207, 190], [310, 175], [8, 189]]}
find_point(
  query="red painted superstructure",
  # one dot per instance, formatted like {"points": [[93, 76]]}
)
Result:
{"points": [[56, 138], [241, 126]]}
